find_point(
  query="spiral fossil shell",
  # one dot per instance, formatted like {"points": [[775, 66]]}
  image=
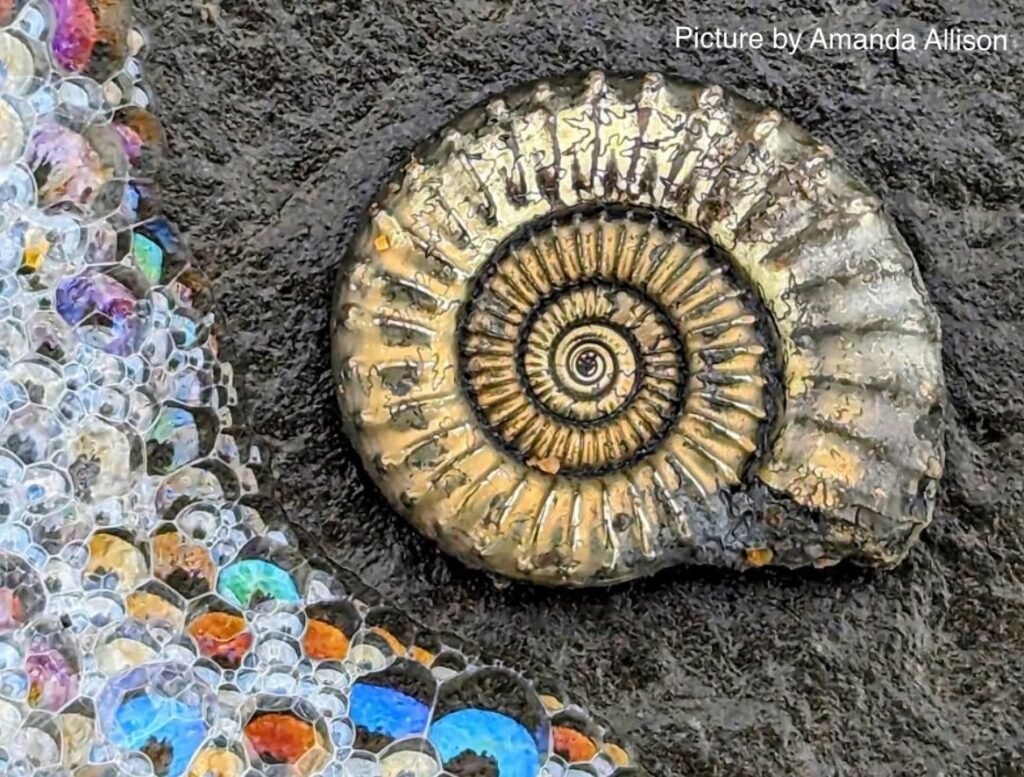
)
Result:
{"points": [[605, 325]]}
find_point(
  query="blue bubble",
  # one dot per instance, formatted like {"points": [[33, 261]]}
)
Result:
{"points": [[387, 711], [488, 734], [147, 721]]}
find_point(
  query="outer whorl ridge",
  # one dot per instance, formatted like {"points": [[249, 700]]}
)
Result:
{"points": [[608, 325]]}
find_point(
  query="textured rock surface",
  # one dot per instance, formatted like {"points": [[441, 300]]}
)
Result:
{"points": [[284, 118]]}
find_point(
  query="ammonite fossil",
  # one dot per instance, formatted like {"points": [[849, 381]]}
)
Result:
{"points": [[152, 620], [603, 325]]}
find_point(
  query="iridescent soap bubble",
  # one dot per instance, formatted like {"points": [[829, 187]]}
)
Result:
{"points": [[475, 738], [13, 342], [160, 710], [180, 436], [75, 33], [187, 484], [221, 636], [14, 537], [47, 489], [158, 350], [52, 669], [17, 64], [149, 606], [143, 408], [119, 653], [38, 741], [68, 169], [110, 403], [283, 732], [115, 37], [41, 379], [572, 744], [490, 719], [249, 582], [142, 139], [81, 97], [101, 243], [114, 560], [385, 713], [409, 759], [11, 647], [200, 521], [106, 314], [17, 199], [12, 134], [148, 257], [22, 596], [52, 246], [124, 645], [61, 577], [32, 434], [78, 732], [186, 567], [49, 335], [106, 460], [216, 762]]}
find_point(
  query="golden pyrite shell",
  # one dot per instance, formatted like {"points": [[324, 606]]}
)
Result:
{"points": [[610, 324]]}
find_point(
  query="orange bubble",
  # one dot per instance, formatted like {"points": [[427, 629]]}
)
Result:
{"points": [[573, 746], [222, 637], [391, 639], [324, 641], [280, 738]]}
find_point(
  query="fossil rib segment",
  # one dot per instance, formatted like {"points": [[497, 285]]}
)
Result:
{"points": [[606, 325]]}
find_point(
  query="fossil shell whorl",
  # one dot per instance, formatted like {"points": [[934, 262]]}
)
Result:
{"points": [[606, 325]]}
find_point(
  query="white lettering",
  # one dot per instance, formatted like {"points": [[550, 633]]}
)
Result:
{"points": [[895, 40], [955, 39], [787, 41], [717, 38], [792, 41]]}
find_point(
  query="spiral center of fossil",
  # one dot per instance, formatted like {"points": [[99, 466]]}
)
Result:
{"points": [[590, 366], [588, 361], [582, 358], [587, 365]]}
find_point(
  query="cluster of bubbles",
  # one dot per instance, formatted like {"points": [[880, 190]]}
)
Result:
{"points": [[151, 622]]}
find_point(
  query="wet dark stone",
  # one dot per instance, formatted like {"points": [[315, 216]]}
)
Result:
{"points": [[370, 741], [284, 118], [472, 765], [187, 584]]}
